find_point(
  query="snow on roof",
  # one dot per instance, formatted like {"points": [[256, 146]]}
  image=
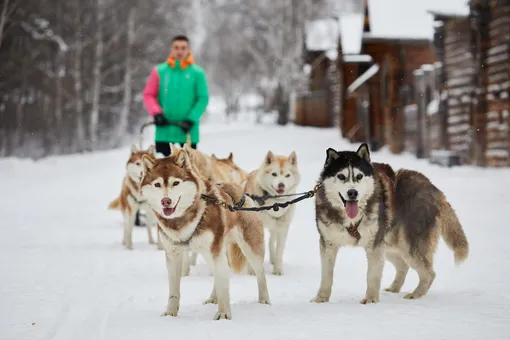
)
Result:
{"points": [[408, 19], [362, 58], [351, 32], [321, 34]]}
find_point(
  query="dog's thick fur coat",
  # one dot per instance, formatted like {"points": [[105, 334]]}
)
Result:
{"points": [[277, 175], [130, 200], [401, 217], [217, 170], [174, 191]]}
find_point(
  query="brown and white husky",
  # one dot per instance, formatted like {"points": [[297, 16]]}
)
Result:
{"points": [[129, 200], [277, 175], [175, 192]]}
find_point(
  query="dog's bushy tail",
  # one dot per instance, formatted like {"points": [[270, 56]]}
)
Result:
{"points": [[452, 232], [115, 204], [236, 258]]}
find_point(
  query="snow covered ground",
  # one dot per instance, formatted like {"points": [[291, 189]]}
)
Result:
{"points": [[66, 276]]}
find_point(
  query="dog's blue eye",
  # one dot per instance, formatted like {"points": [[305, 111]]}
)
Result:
{"points": [[275, 174], [341, 177], [359, 177]]}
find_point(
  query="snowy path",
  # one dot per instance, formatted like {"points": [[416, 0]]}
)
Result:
{"points": [[66, 276]]}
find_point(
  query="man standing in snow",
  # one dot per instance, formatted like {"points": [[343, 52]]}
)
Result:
{"points": [[176, 92]]}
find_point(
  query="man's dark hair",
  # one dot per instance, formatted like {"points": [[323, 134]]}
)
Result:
{"points": [[181, 37]]}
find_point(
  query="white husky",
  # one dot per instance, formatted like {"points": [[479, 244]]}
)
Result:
{"points": [[277, 175]]}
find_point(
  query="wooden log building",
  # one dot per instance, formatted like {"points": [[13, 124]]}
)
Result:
{"points": [[317, 99], [375, 63], [398, 52], [474, 52]]}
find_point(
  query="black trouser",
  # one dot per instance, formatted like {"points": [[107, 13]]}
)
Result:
{"points": [[164, 147]]}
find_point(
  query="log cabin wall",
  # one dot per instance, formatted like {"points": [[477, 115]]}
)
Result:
{"points": [[498, 68], [459, 69], [480, 19]]}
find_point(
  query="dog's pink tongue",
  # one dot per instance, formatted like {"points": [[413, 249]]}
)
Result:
{"points": [[351, 209], [168, 211]]}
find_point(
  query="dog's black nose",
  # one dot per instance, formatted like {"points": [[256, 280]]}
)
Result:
{"points": [[352, 194], [281, 186]]}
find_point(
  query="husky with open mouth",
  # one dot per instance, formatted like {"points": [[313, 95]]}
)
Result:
{"points": [[398, 216], [176, 194], [278, 175]]}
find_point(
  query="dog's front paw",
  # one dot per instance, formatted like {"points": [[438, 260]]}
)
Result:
{"points": [[128, 246], [369, 299], [320, 299], [170, 313], [223, 316], [278, 271], [211, 300], [160, 246], [264, 301]]}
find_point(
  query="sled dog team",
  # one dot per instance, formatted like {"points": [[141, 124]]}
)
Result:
{"points": [[395, 216]]}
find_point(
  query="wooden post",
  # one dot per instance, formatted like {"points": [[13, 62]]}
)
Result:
{"points": [[420, 103]]}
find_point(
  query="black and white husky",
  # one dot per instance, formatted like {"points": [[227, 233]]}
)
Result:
{"points": [[394, 216]]}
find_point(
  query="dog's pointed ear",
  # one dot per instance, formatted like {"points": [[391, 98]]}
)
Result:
{"points": [[270, 158], [133, 148], [183, 160], [364, 152], [231, 157], [152, 150], [147, 163], [331, 155], [187, 147], [293, 158]]}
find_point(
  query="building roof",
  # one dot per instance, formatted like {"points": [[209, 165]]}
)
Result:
{"points": [[409, 19], [403, 20], [321, 34], [351, 32]]}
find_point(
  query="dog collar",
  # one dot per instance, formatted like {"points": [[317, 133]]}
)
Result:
{"points": [[353, 230]]}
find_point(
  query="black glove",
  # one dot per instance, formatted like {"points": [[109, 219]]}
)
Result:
{"points": [[186, 126], [160, 120]]}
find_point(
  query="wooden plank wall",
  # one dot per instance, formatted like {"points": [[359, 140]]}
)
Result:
{"points": [[498, 64], [460, 69], [312, 109], [480, 20]]}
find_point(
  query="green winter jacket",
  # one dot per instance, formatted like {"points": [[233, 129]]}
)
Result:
{"points": [[180, 94]]}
